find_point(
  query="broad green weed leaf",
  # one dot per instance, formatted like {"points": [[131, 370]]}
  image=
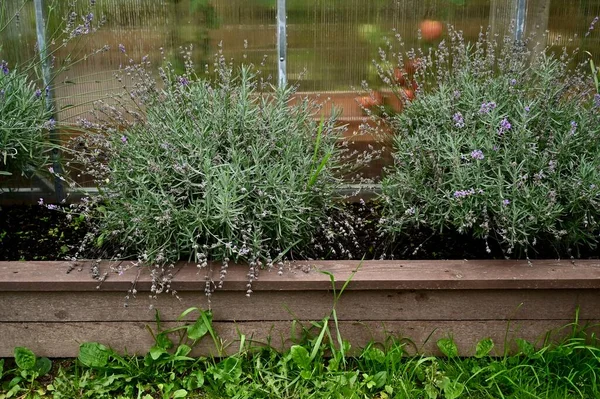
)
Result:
{"points": [[24, 358], [197, 330], [43, 366], [195, 380], [525, 347], [448, 347], [300, 356], [92, 354], [156, 352], [431, 391], [163, 341], [380, 379], [453, 390], [183, 350], [180, 393], [229, 370], [376, 355], [484, 347]]}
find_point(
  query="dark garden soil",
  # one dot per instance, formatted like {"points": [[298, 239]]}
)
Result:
{"points": [[37, 233]]}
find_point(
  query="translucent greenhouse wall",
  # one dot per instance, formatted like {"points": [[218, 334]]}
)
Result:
{"points": [[330, 43]]}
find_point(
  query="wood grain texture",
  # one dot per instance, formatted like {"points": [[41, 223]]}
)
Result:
{"points": [[305, 276], [369, 305], [63, 339]]}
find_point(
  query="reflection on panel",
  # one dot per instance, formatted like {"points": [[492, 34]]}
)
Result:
{"points": [[162, 30]]}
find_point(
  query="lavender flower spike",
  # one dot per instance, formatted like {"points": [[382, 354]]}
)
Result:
{"points": [[477, 154]]}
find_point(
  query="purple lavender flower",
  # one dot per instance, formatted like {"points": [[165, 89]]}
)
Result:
{"points": [[38, 93], [527, 109], [477, 154], [591, 28], [463, 193], [504, 126], [458, 120], [4, 67], [597, 100], [78, 31], [513, 82], [486, 108], [456, 94], [41, 202], [505, 202], [121, 48], [50, 124], [52, 207], [47, 90], [123, 139], [573, 128], [495, 148], [51, 169], [183, 81]]}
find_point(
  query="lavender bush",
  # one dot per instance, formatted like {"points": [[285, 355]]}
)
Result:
{"points": [[25, 121], [26, 114], [210, 169], [502, 142]]}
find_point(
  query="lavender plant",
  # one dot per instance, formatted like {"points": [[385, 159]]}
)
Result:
{"points": [[25, 121], [204, 169], [501, 142], [27, 112]]}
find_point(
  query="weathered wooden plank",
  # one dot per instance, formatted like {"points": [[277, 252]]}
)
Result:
{"points": [[308, 305], [63, 339], [302, 276]]}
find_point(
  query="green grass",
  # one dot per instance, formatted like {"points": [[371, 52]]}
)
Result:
{"points": [[317, 367]]}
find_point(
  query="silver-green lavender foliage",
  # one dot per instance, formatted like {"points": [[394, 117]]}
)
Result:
{"points": [[24, 124], [501, 142], [213, 170]]}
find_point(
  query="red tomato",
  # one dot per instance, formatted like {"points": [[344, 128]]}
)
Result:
{"points": [[430, 29]]}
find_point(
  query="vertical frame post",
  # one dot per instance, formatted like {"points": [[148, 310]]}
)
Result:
{"points": [[281, 42], [520, 18], [40, 26]]}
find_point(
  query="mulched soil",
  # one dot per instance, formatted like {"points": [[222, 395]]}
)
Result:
{"points": [[37, 233]]}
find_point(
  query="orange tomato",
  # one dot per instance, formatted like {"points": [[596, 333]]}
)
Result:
{"points": [[400, 76], [411, 66], [431, 30], [410, 94], [369, 101]]}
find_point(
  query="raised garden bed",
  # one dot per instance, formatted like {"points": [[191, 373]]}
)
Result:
{"points": [[50, 310]]}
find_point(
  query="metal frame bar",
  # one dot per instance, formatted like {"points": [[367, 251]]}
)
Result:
{"points": [[520, 19], [40, 27], [282, 42]]}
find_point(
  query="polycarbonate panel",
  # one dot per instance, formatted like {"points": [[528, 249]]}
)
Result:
{"points": [[568, 23], [244, 30], [18, 38]]}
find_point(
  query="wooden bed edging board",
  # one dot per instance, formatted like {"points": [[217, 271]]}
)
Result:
{"points": [[52, 307]]}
